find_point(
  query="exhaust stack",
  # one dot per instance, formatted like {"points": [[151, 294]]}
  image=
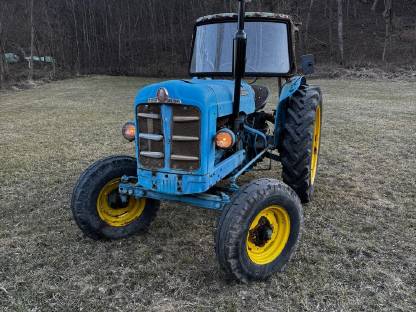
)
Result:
{"points": [[240, 47]]}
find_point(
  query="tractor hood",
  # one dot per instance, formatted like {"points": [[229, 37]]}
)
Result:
{"points": [[207, 94]]}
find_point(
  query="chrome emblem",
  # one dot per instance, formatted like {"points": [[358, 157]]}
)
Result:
{"points": [[162, 96]]}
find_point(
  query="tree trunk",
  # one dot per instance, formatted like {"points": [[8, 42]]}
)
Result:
{"points": [[374, 6], [2, 78], [78, 59], [120, 29], [2, 71], [387, 14], [330, 35], [32, 41], [340, 33], [308, 20]]}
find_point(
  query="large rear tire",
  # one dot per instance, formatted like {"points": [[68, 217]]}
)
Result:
{"points": [[301, 139], [100, 211]]}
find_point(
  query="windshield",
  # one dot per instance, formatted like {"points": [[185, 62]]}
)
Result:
{"points": [[267, 48]]}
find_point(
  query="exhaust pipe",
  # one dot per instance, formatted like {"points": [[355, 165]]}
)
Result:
{"points": [[240, 47]]}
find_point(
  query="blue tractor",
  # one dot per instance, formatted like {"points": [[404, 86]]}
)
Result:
{"points": [[194, 138]]}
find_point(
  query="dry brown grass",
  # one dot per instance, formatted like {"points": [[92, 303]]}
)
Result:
{"points": [[357, 251]]}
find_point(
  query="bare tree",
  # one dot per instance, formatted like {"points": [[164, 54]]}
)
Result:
{"points": [[2, 78], [340, 32], [374, 6], [32, 41], [78, 57], [330, 35], [308, 20], [388, 16], [2, 71], [152, 37]]}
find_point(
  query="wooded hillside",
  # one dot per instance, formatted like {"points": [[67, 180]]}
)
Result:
{"points": [[153, 37]]}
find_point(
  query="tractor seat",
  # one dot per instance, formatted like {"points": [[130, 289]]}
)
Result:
{"points": [[261, 94]]}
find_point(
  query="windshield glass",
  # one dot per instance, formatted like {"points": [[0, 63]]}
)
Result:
{"points": [[267, 48]]}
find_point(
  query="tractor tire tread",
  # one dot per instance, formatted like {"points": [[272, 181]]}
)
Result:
{"points": [[230, 227], [84, 191], [295, 149]]}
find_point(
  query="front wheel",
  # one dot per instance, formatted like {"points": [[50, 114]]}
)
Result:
{"points": [[98, 208], [258, 231]]}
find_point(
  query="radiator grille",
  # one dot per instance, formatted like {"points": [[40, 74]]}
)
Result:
{"points": [[151, 139], [185, 138], [183, 125]]}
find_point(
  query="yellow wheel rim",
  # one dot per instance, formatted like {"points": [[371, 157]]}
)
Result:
{"points": [[316, 144], [113, 211], [268, 235]]}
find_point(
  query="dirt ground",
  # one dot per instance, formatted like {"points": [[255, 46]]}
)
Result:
{"points": [[357, 251]]}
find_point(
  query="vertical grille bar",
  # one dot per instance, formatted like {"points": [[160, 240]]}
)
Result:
{"points": [[167, 128]]}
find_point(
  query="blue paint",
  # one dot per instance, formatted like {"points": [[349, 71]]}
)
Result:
{"points": [[207, 201], [288, 89], [291, 87], [234, 178], [164, 182], [166, 111], [214, 99], [202, 92]]}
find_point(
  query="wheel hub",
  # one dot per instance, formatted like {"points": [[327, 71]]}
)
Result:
{"points": [[268, 234], [116, 201], [262, 233], [115, 209]]}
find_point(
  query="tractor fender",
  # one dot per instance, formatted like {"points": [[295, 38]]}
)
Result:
{"points": [[291, 87], [288, 89]]}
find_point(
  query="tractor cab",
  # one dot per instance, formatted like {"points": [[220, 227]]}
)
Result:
{"points": [[269, 48], [269, 45], [194, 138]]}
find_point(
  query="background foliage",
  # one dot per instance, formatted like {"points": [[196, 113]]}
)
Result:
{"points": [[153, 37]]}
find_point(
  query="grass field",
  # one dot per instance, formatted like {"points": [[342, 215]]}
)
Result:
{"points": [[358, 250]]}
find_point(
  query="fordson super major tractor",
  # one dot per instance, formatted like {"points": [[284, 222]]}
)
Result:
{"points": [[192, 134]]}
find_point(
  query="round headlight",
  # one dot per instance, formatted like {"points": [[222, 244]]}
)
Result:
{"points": [[225, 138], [129, 131]]}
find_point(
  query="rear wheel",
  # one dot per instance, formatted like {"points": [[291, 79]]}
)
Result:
{"points": [[98, 208], [258, 231], [301, 139]]}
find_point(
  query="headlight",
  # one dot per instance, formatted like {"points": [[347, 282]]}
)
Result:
{"points": [[129, 131], [225, 138]]}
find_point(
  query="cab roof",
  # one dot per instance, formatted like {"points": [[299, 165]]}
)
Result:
{"points": [[249, 15]]}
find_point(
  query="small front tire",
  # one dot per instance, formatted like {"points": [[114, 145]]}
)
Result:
{"points": [[100, 211], [259, 230]]}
